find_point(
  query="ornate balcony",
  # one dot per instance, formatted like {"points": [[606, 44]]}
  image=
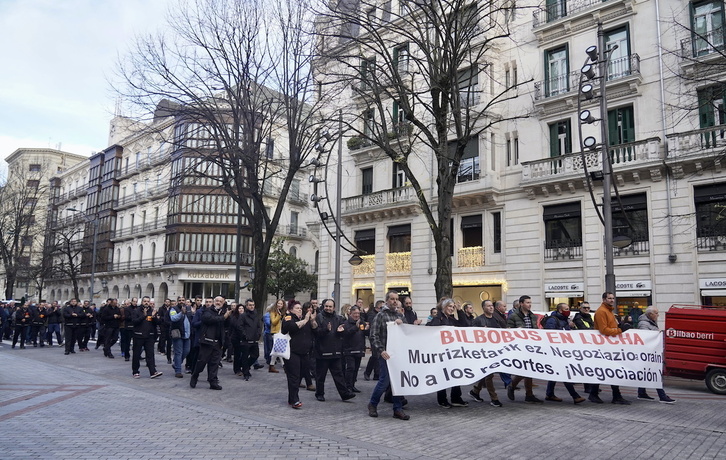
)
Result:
{"points": [[392, 202], [634, 160], [470, 257], [692, 151], [398, 262], [367, 267]]}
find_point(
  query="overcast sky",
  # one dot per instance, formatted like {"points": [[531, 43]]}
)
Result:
{"points": [[57, 58]]}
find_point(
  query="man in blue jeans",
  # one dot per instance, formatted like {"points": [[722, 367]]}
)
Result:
{"points": [[180, 330], [378, 337]]}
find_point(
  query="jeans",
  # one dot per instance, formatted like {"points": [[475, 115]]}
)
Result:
{"points": [[267, 342], [181, 350], [383, 381], [54, 327]]}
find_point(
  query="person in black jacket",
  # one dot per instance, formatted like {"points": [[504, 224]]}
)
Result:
{"points": [[54, 323], [449, 316], [211, 338], [71, 312], [144, 322], [251, 331], [83, 331], [38, 325], [329, 348], [236, 336], [301, 339], [126, 329], [354, 346], [111, 317], [23, 319]]}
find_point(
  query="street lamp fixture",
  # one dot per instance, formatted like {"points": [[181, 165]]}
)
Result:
{"points": [[355, 260], [622, 241]]}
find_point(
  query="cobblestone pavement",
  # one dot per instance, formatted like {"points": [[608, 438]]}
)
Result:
{"points": [[85, 406]]}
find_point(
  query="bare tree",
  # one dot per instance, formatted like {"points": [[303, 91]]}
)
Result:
{"points": [[66, 250], [416, 75], [19, 198], [236, 78]]}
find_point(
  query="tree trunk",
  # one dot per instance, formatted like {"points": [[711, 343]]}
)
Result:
{"points": [[9, 285]]}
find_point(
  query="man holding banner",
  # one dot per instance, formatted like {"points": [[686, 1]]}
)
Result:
{"points": [[523, 317], [606, 323], [379, 339]]}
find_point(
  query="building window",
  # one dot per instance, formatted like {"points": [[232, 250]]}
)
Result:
{"points": [[711, 113], [497, 231], [399, 176], [293, 222], [556, 9], [468, 86], [401, 58], [367, 73], [471, 231], [365, 241], [367, 181], [557, 68], [33, 184], [563, 231], [710, 201], [560, 138], [469, 168], [631, 220], [369, 119], [270, 148], [619, 64], [621, 125], [399, 238], [34, 167], [707, 31], [295, 190]]}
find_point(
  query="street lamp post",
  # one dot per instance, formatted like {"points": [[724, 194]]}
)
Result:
{"points": [[338, 211], [601, 56]]}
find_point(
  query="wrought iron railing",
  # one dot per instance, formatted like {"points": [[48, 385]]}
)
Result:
{"points": [[563, 249]]}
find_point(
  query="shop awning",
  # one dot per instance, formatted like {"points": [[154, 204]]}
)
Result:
{"points": [[632, 294], [568, 294], [713, 292]]}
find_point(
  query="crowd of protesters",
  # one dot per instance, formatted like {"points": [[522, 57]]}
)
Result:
{"points": [[198, 334]]}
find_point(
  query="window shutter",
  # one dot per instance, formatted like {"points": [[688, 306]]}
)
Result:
{"points": [[554, 141]]}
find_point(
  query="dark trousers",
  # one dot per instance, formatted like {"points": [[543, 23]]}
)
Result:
{"points": [[209, 356], [250, 353], [352, 365], [295, 369], [595, 389], [35, 332], [237, 362], [82, 336], [335, 366], [568, 386], [192, 357], [70, 338], [54, 327], [147, 345], [455, 395], [102, 337], [126, 335], [110, 335], [20, 332], [372, 366]]}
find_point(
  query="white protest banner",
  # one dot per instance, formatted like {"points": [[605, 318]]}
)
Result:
{"points": [[427, 359]]}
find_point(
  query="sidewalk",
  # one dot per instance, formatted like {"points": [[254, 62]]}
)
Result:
{"points": [[87, 406]]}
